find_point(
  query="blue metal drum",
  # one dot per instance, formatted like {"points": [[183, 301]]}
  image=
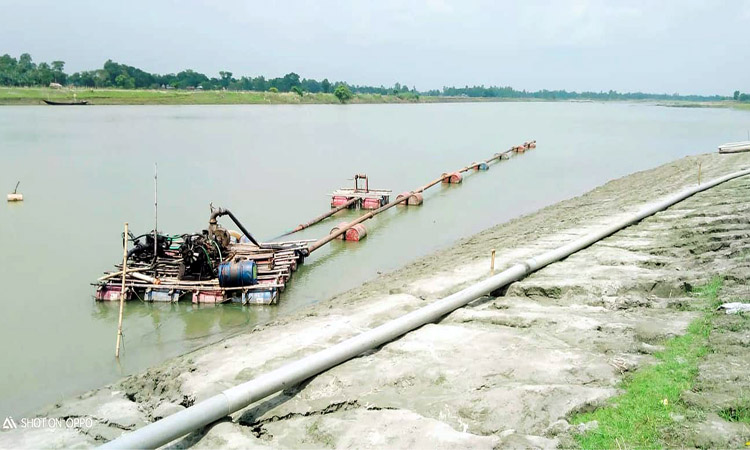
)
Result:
{"points": [[236, 274]]}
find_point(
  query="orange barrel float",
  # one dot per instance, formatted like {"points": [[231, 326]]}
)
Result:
{"points": [[453, 178], [414, 198], [356, 233], [338, 200], [337, 228], [371, 203]]}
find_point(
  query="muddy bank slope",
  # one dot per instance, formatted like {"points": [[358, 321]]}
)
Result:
{"points": [[504, 371]]}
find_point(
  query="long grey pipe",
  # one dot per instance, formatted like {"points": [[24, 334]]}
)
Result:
{"points": [[240, 396]]}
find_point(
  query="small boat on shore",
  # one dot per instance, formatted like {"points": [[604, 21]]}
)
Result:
{"points": [[73, 103], [735, 147]]}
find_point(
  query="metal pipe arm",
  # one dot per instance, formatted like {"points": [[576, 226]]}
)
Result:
{"points": [[225, 212]]}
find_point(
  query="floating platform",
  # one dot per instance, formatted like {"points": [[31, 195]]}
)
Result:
{"points": [[274, 270], [368, 198]]}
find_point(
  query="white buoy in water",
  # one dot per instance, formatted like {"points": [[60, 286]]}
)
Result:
{"points": [[15, 196]]}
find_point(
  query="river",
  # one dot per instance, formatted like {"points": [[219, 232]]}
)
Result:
{"points": [[85, 171]]}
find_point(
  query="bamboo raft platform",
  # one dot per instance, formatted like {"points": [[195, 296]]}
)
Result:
{"points": [[220, 265], [274, 270]]}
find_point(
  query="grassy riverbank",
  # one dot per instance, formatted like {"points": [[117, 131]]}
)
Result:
{"points": [[34, 96], [643, 416]]}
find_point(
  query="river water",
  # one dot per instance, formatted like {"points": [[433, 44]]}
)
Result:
{"points": [[85, 171]]}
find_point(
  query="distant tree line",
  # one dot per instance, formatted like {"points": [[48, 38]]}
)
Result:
{"points": [[24, 72], [509, 92]]}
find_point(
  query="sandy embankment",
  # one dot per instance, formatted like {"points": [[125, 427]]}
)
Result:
{"points": [[507, 370]]}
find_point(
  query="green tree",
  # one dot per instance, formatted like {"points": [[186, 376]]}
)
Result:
{"points": [[43, 75], [325, 85], [226, 78], [124, 81], [25, 63], [290, 80], [343, 93], [101, 78], [273, 89], [297, 90], [736, 95], [58, 71]]}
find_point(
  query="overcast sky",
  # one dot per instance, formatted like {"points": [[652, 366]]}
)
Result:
{"points": [[685, 46]]}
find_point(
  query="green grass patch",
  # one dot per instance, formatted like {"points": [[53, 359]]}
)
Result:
{"points": [[642, 416], [739, 413]]}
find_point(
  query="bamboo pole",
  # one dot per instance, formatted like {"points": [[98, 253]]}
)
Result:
{"points": [[119, 274], [122, 289], [156, 215], [492, 263], [699, 173]]}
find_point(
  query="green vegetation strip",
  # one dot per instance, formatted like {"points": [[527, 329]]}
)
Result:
{"points": [[34, 96], [23, 71], [642, 416]]}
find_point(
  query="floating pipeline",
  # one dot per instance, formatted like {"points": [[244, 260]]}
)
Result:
{"points": [[412, 198], [219, 265], [453, 178]]}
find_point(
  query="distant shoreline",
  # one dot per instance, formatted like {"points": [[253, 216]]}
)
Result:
{"points": [[10, 96], [33, 96]]}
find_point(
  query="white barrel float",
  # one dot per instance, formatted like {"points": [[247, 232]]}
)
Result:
{"points": [[15, 196], [452, 178], [415, 198]]}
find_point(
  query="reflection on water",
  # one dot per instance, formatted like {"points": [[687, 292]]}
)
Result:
{"points": [[85, 171]]}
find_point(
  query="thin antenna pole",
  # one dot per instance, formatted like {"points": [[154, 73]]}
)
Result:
{"points": [[156, 210], [122, 289]]}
